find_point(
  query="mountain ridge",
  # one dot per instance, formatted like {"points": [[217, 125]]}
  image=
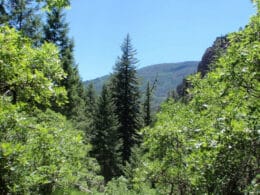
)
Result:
{"points": [[168, 76]]}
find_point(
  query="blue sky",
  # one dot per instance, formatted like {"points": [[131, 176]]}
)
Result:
{"points": [[161, 30]]}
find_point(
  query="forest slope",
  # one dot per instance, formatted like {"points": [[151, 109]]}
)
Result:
{"points": [[168, 76]]}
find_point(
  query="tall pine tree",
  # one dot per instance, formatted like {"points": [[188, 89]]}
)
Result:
{"points": [[106, 140], [125, 91], [56, 31]]}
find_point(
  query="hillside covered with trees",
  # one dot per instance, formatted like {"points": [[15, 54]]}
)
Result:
{"points": [[166, 76], [60, 137]]}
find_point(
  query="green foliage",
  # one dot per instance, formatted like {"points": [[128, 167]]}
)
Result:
{"points": [[90, 110], [117, 187], [29, 74], [106, 140], [164, 164], [56, 31], [125, 94], [41, 152], [169, 76], [91, 100], [120, 186], [205, 65], [50, 4], [71, 192], [210, 145], [147, 106], [25, 16]]}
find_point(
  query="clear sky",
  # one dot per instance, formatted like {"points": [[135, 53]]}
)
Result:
{"points": [[161, 30]]}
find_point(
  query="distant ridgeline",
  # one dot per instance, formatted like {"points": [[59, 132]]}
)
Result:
{"points": [[167, 75], [171, 76]]}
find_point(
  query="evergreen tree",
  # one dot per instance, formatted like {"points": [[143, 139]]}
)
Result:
{"points": [[106, 141], [125, 91], [24, 15], [147, 113], [90, 100], [147, 106], [209, 144], [90, 109], [3, 13], [56, 31]]}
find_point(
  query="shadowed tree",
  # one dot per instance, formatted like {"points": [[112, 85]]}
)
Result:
{"points": [[56, 31], [106, 141], [125, 92]]}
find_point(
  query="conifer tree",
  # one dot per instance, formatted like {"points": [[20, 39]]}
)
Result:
{"points": [[147, 106], [90, 109], [125, 91], [3, 13], [24, 15], [90, 100], [56, 31], [106, 141]]}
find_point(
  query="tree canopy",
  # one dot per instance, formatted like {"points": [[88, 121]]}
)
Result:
{"points": [[40, 150], [57, 137], [209, 145]]}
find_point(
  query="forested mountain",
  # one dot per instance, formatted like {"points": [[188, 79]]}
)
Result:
{"points": [[167, 76], [208, 144], [59, 137]]}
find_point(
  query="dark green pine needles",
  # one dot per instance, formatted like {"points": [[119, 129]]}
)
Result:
{"points": [[125, 93]]}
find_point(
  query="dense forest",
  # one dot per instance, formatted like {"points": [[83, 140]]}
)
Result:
{"points": [[58, 136]]}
